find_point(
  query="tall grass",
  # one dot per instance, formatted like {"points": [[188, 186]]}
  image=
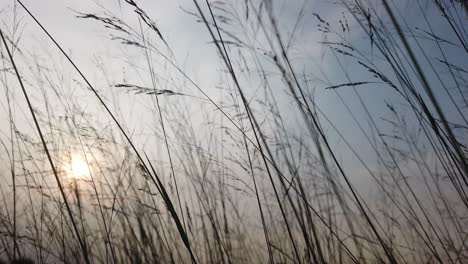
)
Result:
{"points": [[353, 151]]}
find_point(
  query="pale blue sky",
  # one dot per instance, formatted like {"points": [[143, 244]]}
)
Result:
{"points": [[87, 40]]}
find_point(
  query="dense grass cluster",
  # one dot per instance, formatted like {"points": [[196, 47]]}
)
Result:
{"points": [[348, 148]]}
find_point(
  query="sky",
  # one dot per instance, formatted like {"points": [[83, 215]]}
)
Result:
{"points": [[90, 45]]}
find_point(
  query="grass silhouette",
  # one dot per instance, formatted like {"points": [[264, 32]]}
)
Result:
{"points": [[262, 169]]}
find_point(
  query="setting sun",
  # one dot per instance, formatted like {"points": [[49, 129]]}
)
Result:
{"points": [[79, 168]]}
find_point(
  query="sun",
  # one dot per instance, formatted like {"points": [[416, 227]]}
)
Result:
{"points": [[79, 168]]}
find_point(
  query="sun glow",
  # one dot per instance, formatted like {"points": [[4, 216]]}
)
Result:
{"points": [[79, 169]]}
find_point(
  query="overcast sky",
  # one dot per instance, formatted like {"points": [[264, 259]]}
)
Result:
{"points": [[89, 42]]}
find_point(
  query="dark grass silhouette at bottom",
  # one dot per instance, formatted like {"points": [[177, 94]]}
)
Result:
{"points": [[18, 261]]}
